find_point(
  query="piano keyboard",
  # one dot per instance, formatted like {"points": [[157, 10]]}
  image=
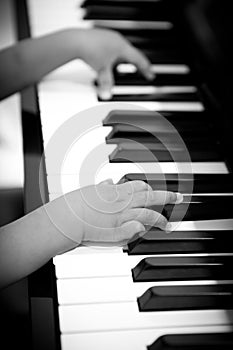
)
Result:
{"points": [[101, 303]]}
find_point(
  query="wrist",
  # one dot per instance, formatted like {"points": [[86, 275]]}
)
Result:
{"points": [[65, 217], [75, 41]]}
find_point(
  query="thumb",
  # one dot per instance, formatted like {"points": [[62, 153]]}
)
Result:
{"points": [[105, 83]]}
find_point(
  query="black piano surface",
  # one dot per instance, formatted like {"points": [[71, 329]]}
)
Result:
{"points": [[203, 37]]}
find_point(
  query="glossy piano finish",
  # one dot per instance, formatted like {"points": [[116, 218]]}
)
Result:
{"points": [[187, 183], [181, 268], [191, 242]]}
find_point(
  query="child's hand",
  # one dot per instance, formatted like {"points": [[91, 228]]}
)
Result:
{"points": [[102, 49], [112, 213]]}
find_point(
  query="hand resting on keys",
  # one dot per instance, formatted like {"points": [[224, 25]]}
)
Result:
{"points": [[113, 213], [28, 61], [106, 48], [101, 213]]}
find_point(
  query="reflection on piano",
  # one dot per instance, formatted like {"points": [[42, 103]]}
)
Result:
{"points": [[160, 291]]}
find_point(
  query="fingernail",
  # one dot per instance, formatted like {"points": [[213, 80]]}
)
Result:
{"points": [[168, 227], [105, 94], [179, 198], [107, 181]]}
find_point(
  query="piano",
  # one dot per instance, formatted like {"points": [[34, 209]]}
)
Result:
{"points": [[160, 291]]}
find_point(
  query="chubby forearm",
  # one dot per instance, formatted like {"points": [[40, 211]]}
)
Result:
{"points": [[102, 214], [28, 243], [30, 60]]}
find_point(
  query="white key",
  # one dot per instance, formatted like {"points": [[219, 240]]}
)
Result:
{"points": [[225, 224], [80, 291], [111, 289], [129, 339], [125, 24], [156, 68], [126, 316], [64, 183], [117, 170], [97, 262], [144, 90], [169, 106], [128, 24], [61, 100]]}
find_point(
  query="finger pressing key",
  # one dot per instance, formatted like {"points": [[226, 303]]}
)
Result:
{"points": [[145, 217], [149, 198], [142, 63]]}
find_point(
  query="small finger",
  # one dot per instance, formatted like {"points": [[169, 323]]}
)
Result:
{"points": [[105, 83], [127, 230], [142, 63], [145, 217]]}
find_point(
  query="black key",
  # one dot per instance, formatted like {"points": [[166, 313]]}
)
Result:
{"points": [[186, 183], [204, 341], [126, 10], [123, 3], [183, 269], [219, 207], [164, 143], [160, 55], [121, 155], [159, 80], [167, 138], [165, 56], [163, 127], [158, 41], [189, 96], [150, 34], [153, 11], [209, 199], [180, 242], [194, 297], [138, 119], [127, 3], [163, 131]]}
